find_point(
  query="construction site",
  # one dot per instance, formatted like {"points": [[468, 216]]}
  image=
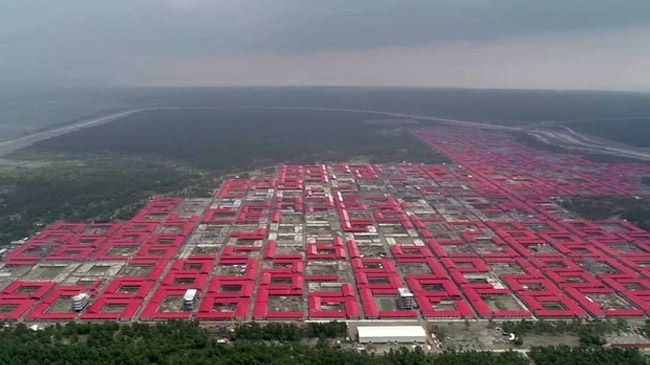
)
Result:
{"points": [[483, 237]]}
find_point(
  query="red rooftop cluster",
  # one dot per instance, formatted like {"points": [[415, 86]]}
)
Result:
{"points": [[482, 237]]}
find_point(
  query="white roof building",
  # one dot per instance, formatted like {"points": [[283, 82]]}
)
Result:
{"points": [[406, 299], [80, 301], [404, 292], [190, 294], [384, 334], [189, 298]]}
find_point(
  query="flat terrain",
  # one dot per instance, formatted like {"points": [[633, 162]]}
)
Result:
{"points": [[632, 209], [632, 131], [24, 112], [27, 111], [239, 139], [487, 231], [39, 191], [120, 159], [17, 143], [319, 222]]}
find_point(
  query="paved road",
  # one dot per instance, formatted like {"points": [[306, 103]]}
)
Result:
{"points": [[15, 144], [570, 139]]}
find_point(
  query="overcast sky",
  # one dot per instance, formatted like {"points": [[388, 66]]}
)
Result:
{"points": [[563, 44]]}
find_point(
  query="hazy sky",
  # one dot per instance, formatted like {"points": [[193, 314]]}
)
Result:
{"points": [[577, 44]]}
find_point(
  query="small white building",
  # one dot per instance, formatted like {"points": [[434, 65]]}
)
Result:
{"points": [[80, 301], [384, 334], [189, 298], [406, 299]]}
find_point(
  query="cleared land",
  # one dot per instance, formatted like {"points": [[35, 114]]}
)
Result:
{"points": [[240, 139], [107, 169], [632, 131], [483, 238], [635, 210], [38, 192]]}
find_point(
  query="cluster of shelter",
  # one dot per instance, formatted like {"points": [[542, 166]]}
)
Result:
{"points": [[483, 237]]}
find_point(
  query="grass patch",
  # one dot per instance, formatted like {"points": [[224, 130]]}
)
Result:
{"points": [[230, 139], [533, 142], [634, 210], [98, 189], [635, 132]]}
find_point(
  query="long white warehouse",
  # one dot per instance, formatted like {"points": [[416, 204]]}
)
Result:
{"points": [[385, 334]]}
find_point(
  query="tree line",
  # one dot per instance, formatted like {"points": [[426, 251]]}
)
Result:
{"points": [[185, 342], [289, 332]]}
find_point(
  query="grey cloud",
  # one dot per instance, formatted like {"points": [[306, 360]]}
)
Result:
{"points": [[133, 40], [578, 60], [377, 23]]}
